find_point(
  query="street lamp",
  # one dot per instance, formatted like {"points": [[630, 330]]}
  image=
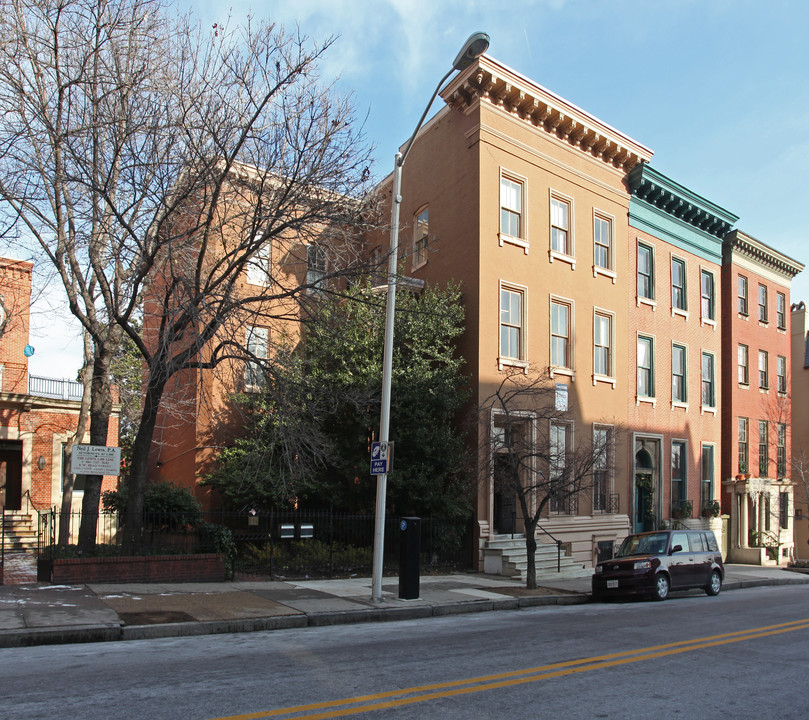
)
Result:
{"points": [[473, 48]]}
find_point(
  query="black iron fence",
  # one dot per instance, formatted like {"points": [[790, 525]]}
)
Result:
{"points": [[276, 543]]}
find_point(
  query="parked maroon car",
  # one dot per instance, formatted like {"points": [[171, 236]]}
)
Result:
{"points": [[654, 563]]}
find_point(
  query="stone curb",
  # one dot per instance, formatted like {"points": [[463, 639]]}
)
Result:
{"points": [[25, 637], [29, 637]]}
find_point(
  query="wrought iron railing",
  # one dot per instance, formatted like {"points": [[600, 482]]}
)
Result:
{"points": [[54, 388]]}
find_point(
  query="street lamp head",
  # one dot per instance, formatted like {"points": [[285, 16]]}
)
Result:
{"points": [[473, 48]]}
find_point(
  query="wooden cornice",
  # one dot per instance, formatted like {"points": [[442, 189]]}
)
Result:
{"points": [[487, 80], [674, 199], [748, 246]]}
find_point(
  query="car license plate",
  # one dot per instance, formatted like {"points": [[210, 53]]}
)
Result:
{"points": [[612, 584]]}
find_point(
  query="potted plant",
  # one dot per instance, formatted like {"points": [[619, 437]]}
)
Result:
{"points": [[712, 508]]}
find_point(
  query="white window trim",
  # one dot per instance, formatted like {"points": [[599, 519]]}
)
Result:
{"points": [[416, 263], [703, 321], [504, 238], [651, 399], [710, 409], [529, 417], [250, 331], [597, 269], [569, 258], [597, 377], [522, 362], [741, 385], [570, 443], [263, 257], [570, 370], [680, 403], [652, 301], [680, 312]]}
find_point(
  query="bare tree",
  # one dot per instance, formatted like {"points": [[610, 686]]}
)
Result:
{"points": [[529, 453], [155, 163]]}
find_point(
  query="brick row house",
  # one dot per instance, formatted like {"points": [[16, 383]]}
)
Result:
{"points": [[579, 260], [38, 417], [581, 263]]}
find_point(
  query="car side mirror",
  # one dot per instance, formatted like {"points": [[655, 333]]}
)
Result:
{"points": [[676, 548]]}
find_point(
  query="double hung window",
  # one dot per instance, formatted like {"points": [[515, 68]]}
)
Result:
{"points": [[741, 293], [763, 449], [602, 242], [511, 323], [708, 381], [678, 476], [781, 311], [421, 229], [560, 334], [257, 342], [602, 345], [763, 373], [511, 215], [743, 353], [646, 387], [678, 374], [560, 226], [707, 297], [645, 278], [744, 446], [781, 376], [762, 303], [678, 296]]}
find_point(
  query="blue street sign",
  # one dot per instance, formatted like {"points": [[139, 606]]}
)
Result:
{"points": [[379, 458]]}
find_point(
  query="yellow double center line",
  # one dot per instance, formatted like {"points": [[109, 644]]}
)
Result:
{"points": [[422, 693]]}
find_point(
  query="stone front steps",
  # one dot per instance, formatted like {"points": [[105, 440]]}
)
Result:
{"points": [[19, 531], [506, 555]]}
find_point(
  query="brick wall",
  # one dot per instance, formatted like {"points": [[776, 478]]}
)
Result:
{"points": [[157, 568]]}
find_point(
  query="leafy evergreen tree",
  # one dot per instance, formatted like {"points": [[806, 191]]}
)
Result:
{"points": [[310, 431]]}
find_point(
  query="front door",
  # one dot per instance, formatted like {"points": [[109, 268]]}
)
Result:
{"points": [[505, 500], [644, 503], [11, 476]]}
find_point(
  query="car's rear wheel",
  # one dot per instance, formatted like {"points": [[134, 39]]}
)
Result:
{"points": [[715, 584], [662, 586]]}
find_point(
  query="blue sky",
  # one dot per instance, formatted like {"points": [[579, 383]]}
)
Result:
{"points": [[716, 88]]}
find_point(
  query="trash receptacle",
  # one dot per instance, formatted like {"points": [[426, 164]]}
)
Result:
{"points": [[409, 557]]}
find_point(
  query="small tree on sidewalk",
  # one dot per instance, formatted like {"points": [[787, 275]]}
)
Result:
{"points": [[529, 453]]}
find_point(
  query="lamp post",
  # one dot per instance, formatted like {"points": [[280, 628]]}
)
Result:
{"points": [[473, 48]]}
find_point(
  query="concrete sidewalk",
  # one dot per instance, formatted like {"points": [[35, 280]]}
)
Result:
{"points": [[38, 614]]}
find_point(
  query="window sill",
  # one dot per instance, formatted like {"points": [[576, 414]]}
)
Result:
{"points": [[707, 409], [764, 323], [562, 257], [560, 370], [681, 405], [764, 390], [707, 321], [511, 240], [782, 330], [647, 301], [512, 362], [782, 393], [678, 312], [648, 400], [744, 386], [743, 316], [417, 266], [606, 272], [604, 379]]}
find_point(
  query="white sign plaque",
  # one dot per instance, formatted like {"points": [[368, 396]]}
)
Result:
{"points": [[95, 460]]}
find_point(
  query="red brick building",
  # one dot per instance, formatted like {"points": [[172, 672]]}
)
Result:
{"points": [[37, 415], [756, 407]]}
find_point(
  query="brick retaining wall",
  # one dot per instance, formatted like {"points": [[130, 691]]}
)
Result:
{"points": [[156, 568]]}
